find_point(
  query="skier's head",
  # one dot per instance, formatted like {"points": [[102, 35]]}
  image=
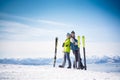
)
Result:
{"points": [[72, 34], [68, 35]]}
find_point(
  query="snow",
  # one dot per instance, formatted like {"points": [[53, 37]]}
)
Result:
{"points": [[26, 72]]}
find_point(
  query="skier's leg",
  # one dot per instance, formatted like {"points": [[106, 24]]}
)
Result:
{"points": [[69, 61], [75, 60], [74, 64], [64, 61]]}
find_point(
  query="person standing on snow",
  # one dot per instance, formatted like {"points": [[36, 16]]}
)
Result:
{"points": [[76, 52], [66, 46]]}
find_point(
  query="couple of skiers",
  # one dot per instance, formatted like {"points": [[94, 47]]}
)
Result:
{"points": [[71, 43]]}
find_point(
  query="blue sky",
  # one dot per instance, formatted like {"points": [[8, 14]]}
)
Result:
{"points": [[33, 22]]}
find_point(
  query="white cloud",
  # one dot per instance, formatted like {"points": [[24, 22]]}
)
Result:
{"points": [[34, 30], [19, 31], [50, 22], [11, 26], [53, 22]]}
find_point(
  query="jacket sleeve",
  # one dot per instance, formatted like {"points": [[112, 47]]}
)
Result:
{"points": [[63, 44], [67, 43]]}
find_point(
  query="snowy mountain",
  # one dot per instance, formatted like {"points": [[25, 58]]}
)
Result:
{"points": [[48, 61], [104, 59], [27, 61]]}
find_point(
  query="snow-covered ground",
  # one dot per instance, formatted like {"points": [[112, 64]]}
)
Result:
{"points": [[26, 72]]}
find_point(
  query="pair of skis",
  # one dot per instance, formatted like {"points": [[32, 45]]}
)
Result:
{"points": [[84, 53], [56, 43], [83, 43]]}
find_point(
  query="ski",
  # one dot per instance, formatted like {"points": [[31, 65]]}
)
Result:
{"points": [[78, 41], [83, 43], [56, 42]]}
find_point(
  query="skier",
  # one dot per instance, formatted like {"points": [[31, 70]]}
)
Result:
{"points": [[76, 52], [66, 46]]}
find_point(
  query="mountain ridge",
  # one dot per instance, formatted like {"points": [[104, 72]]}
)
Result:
{"points": [[49, 61]]}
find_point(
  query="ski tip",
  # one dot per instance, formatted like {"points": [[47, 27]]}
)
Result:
{"points": [[56, 38], [83, 36], [83, 41], [78, 37]]}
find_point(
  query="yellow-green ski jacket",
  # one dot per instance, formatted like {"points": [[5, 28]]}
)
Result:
{"points": [[67, 45]]}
